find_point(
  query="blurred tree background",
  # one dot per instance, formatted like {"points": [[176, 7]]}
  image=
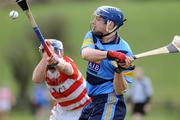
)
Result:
{"points": [[150, 24]]}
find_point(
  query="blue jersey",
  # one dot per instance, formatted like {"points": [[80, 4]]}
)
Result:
{"points": [[100, 74]]}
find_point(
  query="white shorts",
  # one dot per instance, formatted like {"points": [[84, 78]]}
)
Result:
{"points": [[5, 106], [57, 113]]}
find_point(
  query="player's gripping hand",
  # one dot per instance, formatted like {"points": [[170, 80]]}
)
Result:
{"points": [[126, 63], [42, 50], [117, 56], [120, 69], [52, 59]]}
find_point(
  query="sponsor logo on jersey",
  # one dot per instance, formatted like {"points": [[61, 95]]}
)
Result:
{"points": [[93, 67]]}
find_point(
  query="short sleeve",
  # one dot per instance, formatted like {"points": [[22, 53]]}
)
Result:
{"points": [[88, 41]]}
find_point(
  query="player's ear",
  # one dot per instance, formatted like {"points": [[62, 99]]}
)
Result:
{"points": [[110, 26]]}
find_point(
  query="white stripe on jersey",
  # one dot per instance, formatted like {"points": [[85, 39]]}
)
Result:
{"points": [[75, 94], [79, 75], [70, 107], [66, 85], [62, 87]]}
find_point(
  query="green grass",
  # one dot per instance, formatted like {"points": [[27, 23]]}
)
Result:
{"points": [[150, 25], [154, 114], [21, 116]]}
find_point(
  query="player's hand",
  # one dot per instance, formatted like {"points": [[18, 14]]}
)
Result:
{"points": [[52, 59], [126, 63], [44, 53], [117, 56]]}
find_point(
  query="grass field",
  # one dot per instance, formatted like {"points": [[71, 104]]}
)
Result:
{"points": [[149, 25], [157, 114]]}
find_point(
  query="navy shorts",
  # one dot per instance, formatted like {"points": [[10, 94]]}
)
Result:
{"points": [[139, 108], [105, 107]]}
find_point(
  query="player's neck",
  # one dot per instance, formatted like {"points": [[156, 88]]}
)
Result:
{"points": [[109, 38]]}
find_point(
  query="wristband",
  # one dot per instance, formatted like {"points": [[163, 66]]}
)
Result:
{"points": [[118, 70], [51, 66]]}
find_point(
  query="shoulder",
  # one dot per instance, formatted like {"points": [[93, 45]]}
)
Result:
{"points": [[88, 41], [68, 59], [71, 62], [124, 42], [88, 35], [125, 46]]}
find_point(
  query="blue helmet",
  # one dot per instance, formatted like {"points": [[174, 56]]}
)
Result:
{"points": [[57, 45], [112, 14]]}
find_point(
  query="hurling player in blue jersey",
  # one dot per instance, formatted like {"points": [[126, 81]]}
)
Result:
{"points": [[106, 82]]}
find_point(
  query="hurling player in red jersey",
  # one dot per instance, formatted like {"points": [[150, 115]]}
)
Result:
{"points": [[65, 82]]}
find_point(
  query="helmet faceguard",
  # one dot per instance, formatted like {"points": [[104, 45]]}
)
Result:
{"points": [[109, 13], [56, 44]]}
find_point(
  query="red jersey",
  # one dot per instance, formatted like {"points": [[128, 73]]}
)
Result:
{"points": [[69, 91]]}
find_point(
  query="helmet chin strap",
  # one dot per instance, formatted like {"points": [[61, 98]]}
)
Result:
{"points": [[100, 35], [107, 27], [113, 30]]}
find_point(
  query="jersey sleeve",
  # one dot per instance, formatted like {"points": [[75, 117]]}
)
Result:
{"points": [[75, 69], [88, 41], [128, 49], [128, 75]]}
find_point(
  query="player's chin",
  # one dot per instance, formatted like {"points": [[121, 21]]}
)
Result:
{"points": [[93, 29], [97, 33]]}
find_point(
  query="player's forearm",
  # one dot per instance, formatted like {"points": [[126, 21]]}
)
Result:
{"points": [[65, 67], [120, 84], [93, 55], [39, 71]]}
